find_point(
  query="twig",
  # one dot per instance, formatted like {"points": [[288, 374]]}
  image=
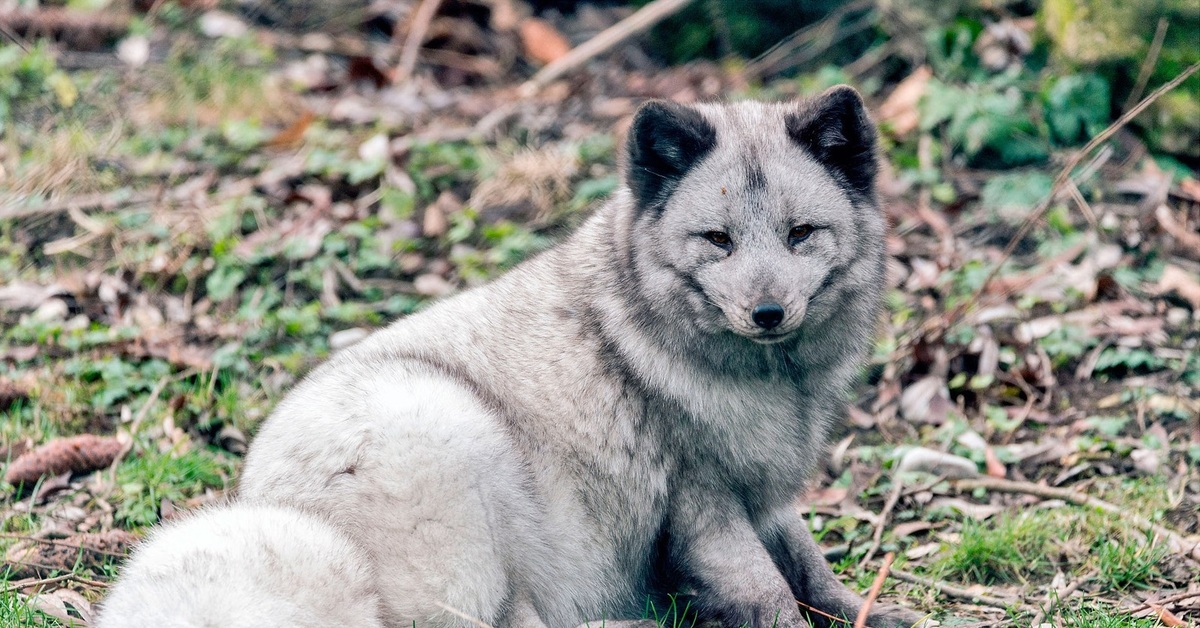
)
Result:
{"points": [[884, 515], [1163, 602], [462, 615], [416, 36], [957, 592], [1148, 64], [828, 28], [1175, 541], [10, 208], [25, 584], [644, 18], [1054, 598], [77, 578], [876, 586], [1064, 176], [56, 542], [812, 609]]}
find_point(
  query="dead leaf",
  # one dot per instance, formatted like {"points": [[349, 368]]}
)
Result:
{"points": [[937, 463], [925, 401], [909, 528], [76, 454], [1189, 241], [294, 132], [1179, 281], [995, 468], [542, 42], [900, 108], [829, 496], [1165, 616]]}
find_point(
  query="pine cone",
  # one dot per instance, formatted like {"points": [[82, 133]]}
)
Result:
{"points": [[77, 454]]}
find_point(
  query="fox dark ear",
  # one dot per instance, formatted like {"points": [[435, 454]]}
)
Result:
{"points": [[665, 141], [836, 130]]}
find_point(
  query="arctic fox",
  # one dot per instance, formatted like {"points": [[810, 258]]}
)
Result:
{"points": [[625, 417]]}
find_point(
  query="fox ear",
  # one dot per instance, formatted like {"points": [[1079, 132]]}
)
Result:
{"points": [[835, 128], [665, 141]]}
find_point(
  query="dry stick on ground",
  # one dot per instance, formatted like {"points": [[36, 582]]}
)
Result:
{"points": [[1060, 181], [1175, 541], [884, 515], [958, 592], [58, 543], [813, 609], [416, 36], [1056, 597], [107, 201], [1163, 602], [643, 19], [876, 586]]}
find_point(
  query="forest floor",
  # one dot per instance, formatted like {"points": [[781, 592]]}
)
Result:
{"points": [[182, 238]]}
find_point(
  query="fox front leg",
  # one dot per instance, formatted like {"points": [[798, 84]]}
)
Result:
{"points": [[790, 543], [714, 546]]}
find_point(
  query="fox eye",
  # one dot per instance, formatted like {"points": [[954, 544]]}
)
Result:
{"points": [[800, 233], [719, 238]]}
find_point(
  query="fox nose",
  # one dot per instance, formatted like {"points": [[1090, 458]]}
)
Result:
{"points": [[767, 315]]}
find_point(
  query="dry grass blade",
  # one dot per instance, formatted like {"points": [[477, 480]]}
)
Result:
{"points": [[876, 586]]}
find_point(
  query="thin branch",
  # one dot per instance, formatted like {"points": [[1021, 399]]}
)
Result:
{"points": [[884, 516], [957, 592], [643, 19], [416, 36], [1148, 64], [1163, 602], [1056, 597]]}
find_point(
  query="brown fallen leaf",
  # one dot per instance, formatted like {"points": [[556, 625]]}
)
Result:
{"points": [[1166, 617], [995, 468], [1177, 280], [76, 454], [900, 108], [542, 42], [294, 131]]}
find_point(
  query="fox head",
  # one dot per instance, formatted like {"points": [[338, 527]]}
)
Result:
{"points": [[756, 219]]}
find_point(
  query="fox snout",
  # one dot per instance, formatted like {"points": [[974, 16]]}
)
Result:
{"points": [[767, 315]]}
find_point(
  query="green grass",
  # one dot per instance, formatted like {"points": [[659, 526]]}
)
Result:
{"points": [[1095, 616], [1008, 549], [148, 478], [15, 610], [1124, 563]]}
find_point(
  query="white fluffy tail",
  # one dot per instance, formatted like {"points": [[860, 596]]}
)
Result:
{"points": [[244, 566]]}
